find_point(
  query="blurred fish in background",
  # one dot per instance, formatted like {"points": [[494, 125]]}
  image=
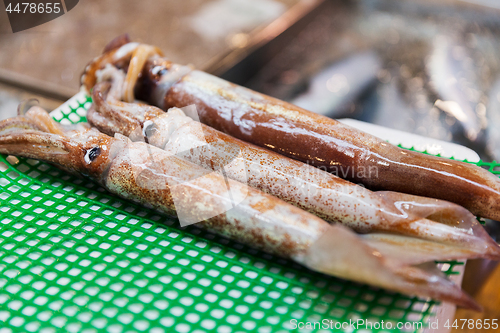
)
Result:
{"points": [[453, 77], [423, 66], [493, 114], [388, 106], [334, 88]]}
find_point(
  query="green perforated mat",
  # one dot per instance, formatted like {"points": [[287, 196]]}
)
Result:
{"points": [[74, 258]]}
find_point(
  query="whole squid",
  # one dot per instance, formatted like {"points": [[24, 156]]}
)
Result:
{"points": [[153, 177], [319, 192], [295, 132]]}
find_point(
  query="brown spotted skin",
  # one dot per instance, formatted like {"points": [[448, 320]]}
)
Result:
{"points": [[261, 220], [326, 143]]}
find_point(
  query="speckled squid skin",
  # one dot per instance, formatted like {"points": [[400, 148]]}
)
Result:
{"points": [[260, 220], [323, 142], [331, 198]]}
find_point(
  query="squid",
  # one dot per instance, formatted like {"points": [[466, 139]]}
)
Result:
{"points": [[153, 177], [321, 193], [294, 132]]}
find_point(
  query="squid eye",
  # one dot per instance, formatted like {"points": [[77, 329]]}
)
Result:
{"points": [[149, 129], [92, 154], [159, 70]]}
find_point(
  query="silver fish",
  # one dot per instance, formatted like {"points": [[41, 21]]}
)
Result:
{"points": [[452, 76], [332, 89], [389, 107], [493, 114]]}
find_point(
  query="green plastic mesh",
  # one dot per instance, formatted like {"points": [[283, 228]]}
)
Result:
{"points": [[74, 258]]}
